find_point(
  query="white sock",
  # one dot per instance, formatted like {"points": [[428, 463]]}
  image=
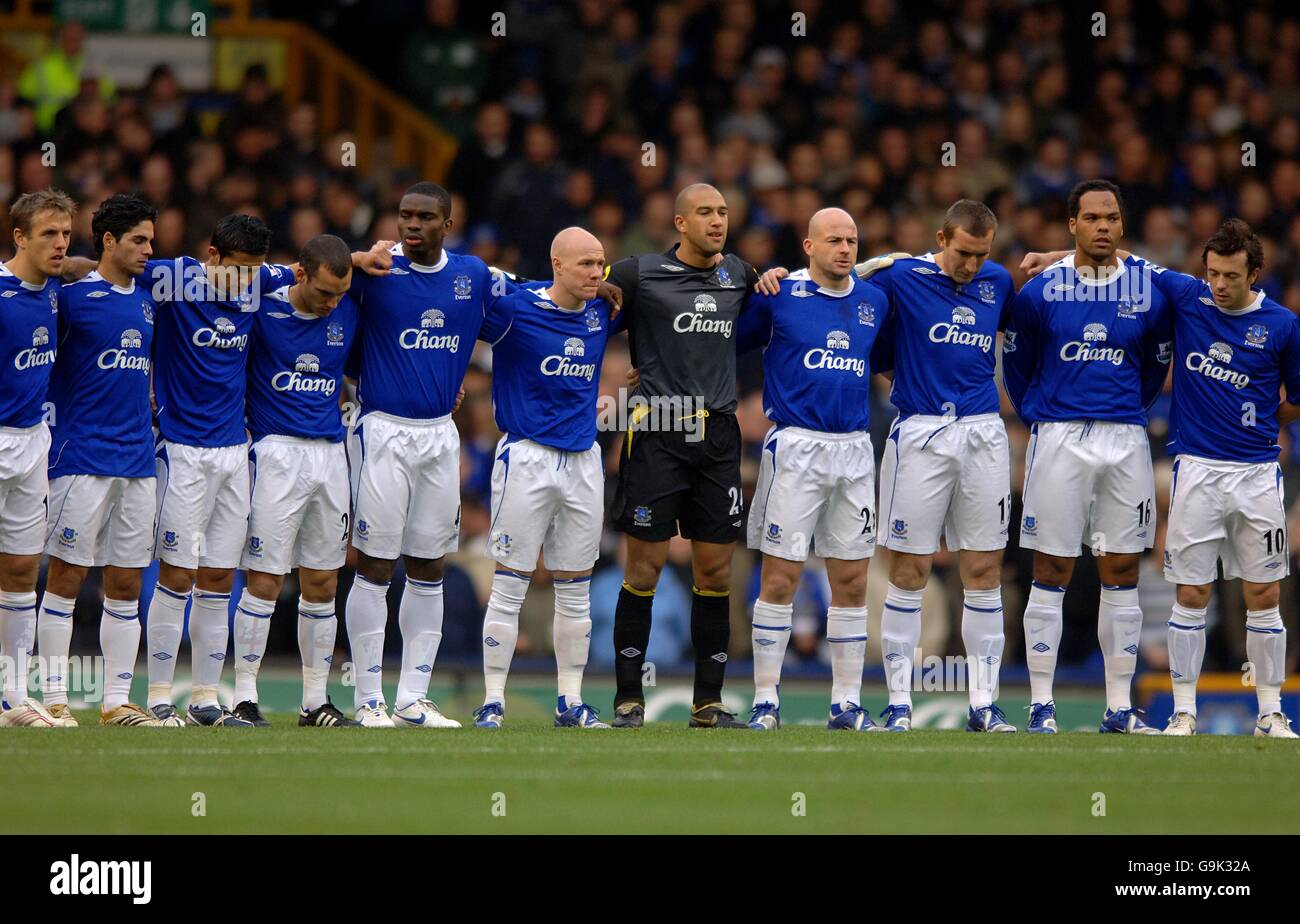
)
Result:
{"points": [[209, 639], [317, 628], [17, 633], [1186, 652], [252, 626], [846, 631], [367, 616], [54, 639], [983, 636], [1043, 638], [119, 640], [420, 619], [772, 625], [1266, 649], [1119, 625], [501, 631], [572, 635], [900, 633], [163, 634]]}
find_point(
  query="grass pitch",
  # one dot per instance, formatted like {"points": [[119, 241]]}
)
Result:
{"points": [[665, 778]]}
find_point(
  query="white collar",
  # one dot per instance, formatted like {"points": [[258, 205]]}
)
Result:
{"points": [[422, 267], [1256, 303], [834, 293], [1100, 277], [29, 286], [95, 276]]}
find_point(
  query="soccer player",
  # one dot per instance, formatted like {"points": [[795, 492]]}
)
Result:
{"points": [[817, 478], [946, 468], [418, 328], [1234, 350], [1084, 355], [301, 494], [681, 309], [548, 482], [29, 309], [102, 484], [205, 318]]}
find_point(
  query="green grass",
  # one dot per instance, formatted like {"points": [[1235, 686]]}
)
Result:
{"points": [[664, 778]]}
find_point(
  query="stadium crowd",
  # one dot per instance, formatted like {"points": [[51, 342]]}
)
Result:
{"points": [[595, 113]]}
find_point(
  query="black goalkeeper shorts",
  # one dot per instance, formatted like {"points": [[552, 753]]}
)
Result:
{"points": [[677, 481]]}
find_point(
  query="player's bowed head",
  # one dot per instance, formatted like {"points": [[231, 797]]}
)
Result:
{"points": [[322, 275], [578, 265]]}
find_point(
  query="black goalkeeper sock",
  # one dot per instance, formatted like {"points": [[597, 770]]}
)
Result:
{"points": [[631, 637], [710, 634]]}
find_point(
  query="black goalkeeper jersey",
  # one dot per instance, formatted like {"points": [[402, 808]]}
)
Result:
{"points": [[681, 324]]}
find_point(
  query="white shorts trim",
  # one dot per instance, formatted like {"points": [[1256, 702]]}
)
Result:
{"points": [[815, 494], [406, 481], [203, 505], [1226, 512], [24, 488], [1088, 483], [546, 501], [98, 520], [301, 508], [949, 477]]}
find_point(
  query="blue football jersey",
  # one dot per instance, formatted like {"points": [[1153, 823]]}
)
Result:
{"points": [[28, 335], [1082, 349], [817, 346], [940, 337], [418, 327], [546, 368], [295, 369], [102, 422], [201, 355], [1229, 368]]}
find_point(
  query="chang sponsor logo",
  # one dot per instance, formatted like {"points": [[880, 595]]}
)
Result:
{"points": [[827, 359], [956, 334], [220, 336], [424, 338], [1213, 364], [695, 322], [1087, 350]]}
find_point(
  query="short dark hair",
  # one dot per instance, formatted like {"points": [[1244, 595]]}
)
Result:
{"points": [[117, 215], [241, 234], [975, 218], [1087, 186], [328, 251], [1234, 236], [434, 191], [27, 206]]}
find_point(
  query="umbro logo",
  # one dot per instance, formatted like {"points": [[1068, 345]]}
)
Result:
{"points": [[720, 657], [923, 270], [1131, 649], [630, 652], [98, 293], [1041, 647], [671, 267], [491, 642]]}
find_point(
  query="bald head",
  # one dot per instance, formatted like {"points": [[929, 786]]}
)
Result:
{"points": [[700, 216], [578, 263], [832, 246], [826, 219], [690, 195], [572, 240]]}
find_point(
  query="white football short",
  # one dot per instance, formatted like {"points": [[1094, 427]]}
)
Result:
{"points": [[406, 480], [24, 487], [816, 493], [546, 500], [948, 476], [1226, 511], [98, 520], [1088, 483], [203, 505], [301, 505]]}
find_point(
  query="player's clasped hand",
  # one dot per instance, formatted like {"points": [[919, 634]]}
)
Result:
{"points": [[378, 259], [770, 282]]}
